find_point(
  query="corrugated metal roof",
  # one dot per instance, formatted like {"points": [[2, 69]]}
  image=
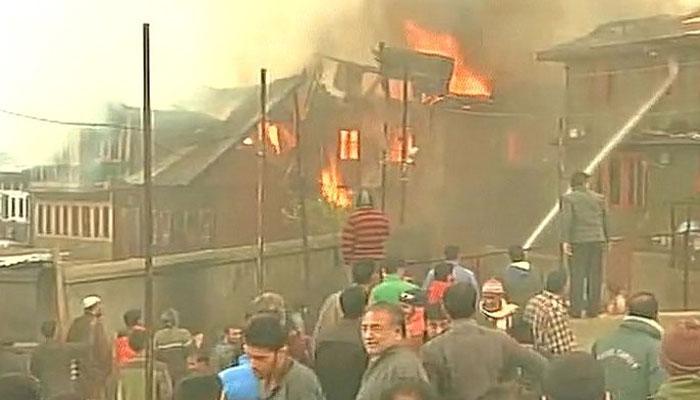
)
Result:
{"points": [[7, 261], [623, 33]]}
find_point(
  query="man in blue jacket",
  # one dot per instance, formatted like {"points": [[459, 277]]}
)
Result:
{"points": [[630, 354], [240, 382]]}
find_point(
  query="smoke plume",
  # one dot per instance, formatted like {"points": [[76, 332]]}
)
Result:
{"points": [[66, 59]]}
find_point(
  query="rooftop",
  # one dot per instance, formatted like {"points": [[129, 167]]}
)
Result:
{"points": [[630, 34]]}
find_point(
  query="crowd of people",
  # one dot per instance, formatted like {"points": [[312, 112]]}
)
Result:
{"points": [[384, 337]]}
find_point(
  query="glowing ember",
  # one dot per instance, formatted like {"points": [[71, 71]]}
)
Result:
{"points": [[464, 80], [332, 187]]}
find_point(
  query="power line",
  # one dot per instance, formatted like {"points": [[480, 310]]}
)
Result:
{"points": [[68, 123], [82, 124]]}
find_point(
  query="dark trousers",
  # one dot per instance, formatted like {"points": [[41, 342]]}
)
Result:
{"points": [[585, 271]]}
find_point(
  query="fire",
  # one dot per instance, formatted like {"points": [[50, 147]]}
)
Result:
{"points": [[332, 188], [465, 81], [396, 149], [273, 137], [279, 138]]}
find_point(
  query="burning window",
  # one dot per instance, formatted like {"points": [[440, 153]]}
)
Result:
{"points": [[278, 138], [348, 144], [397, 148]]}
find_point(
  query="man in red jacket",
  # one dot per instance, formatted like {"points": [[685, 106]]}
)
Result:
{"points": [[365, 232]]}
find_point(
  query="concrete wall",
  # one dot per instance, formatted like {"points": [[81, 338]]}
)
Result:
{"points": [[210, 288]]}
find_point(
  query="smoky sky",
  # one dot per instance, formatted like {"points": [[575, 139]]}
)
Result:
{"points": [[66, 59]]}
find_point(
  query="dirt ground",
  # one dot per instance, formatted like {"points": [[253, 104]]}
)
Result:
{"points": [[588, 330]]}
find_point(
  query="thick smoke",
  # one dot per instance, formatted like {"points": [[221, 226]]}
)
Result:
{"points": [[66, 59]]}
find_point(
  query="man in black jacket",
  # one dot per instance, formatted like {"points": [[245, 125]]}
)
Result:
{"points": [[340, 356], [584, 232], [51, 363], [95, 362]]}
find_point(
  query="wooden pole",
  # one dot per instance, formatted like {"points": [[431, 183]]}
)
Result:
{"points": [[301, 183], [686, 260], [147, 217], [404, 147], [61, 304], [262, 165], [385, 130]]}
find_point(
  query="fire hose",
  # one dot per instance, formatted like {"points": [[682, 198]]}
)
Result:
{"points": [[673, 69]]}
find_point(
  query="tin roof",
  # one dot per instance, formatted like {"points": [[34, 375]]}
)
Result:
{"points": [[629, 34]]}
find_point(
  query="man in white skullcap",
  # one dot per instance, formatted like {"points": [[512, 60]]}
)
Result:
{"points": [[95, 362]]}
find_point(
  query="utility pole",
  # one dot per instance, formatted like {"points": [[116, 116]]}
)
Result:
{"points": [[302, 192], [385, 129], [404, 147], [262, 166], [147, 216]]}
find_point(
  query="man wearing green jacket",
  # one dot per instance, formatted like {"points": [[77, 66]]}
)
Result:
{"points": [[630, 354], [392, 286]]}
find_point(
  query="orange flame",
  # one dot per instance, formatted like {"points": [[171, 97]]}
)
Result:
{"points": [[279, 138], [332, 187], [464, 80]]}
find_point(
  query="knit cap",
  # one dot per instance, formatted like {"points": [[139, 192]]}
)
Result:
{"points": [[492, 286], [680, 348]]}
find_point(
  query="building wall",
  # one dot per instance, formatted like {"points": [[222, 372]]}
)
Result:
{"points": [[602, 94], [210, 288]]}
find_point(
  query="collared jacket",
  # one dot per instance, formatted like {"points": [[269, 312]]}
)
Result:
{"points": [[630, 356], [583, 217], [299, 383], [395, 364], [468, 360], [548, 316]]}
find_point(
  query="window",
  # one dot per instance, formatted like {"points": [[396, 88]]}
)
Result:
{"points": [[624, 180], [20, 210], [96, 222], [5, 206], [85, 221], [75, 221], [105, 222], [113, 147], [206, 218], [349, 144], [614, 181], [40, 216], [65, 219], [397, 147], [49, 219]]}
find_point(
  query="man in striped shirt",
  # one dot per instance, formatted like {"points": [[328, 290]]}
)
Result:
{"points": [[365, 233]]}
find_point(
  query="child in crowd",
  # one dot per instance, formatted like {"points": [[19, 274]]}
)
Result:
{"points": [[494, 309]]}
